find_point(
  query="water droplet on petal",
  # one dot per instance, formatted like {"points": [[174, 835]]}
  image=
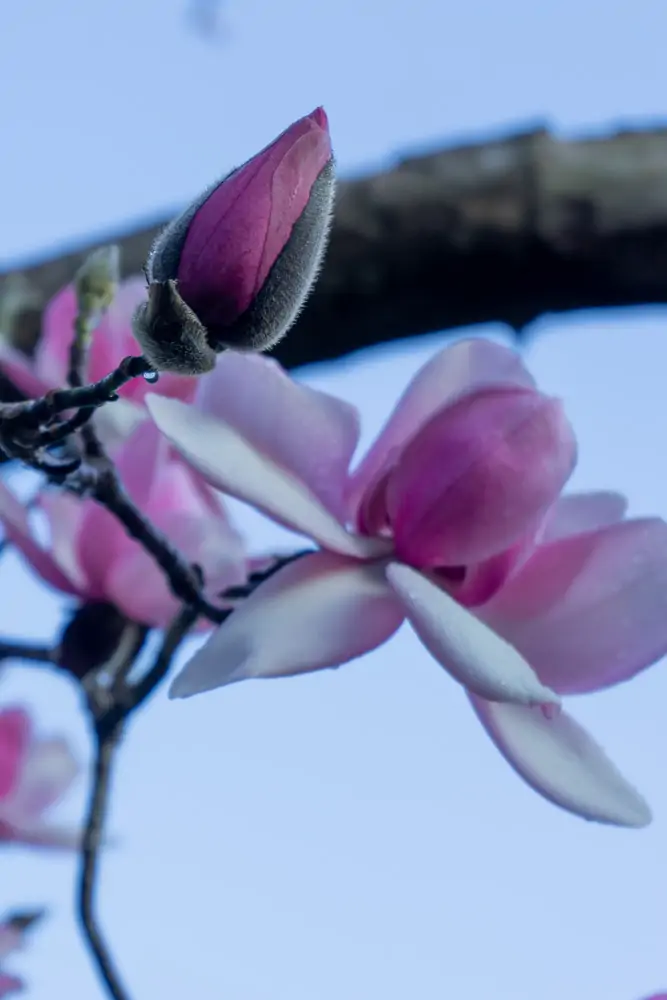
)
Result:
{"points": [[152, 377]]}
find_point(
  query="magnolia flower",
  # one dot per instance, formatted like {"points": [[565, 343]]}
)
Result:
{"points": [[92, 558], [453, 521], [10, 984], [34, 774], [13, 933], [236, 267], [112, 341]]}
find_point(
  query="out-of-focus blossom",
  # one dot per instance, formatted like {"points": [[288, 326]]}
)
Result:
{"points": [[90, 556], [10, 985], [454, 521], [34, 774], [236, 267], [13, 932], [111, 341]]}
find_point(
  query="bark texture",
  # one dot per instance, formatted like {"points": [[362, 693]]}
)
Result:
{"points": [[504, 230]]}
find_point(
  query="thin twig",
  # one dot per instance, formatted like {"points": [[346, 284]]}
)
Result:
{"points": [[109, 722], [25, 651], [106, 740]]}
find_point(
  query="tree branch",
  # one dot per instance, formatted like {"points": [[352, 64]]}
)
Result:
{"points": [[506, 230]]}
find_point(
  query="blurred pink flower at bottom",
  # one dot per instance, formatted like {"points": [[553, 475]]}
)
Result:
{"points": [[453, 521], [91, 557], [10, 984], [35, 774]]}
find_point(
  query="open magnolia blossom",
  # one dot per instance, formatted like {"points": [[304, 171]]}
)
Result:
{"points": [[90, 556], [112, 341], [453, 521], [34, 774]]}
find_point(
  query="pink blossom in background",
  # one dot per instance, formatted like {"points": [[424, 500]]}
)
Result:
{"points": [[89, 555], [112, 341], [10, 985], [453, 520], [35, 773]]}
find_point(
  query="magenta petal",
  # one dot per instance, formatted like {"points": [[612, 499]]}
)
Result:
{"points": [[320, 611], [458, 369], [239, 230], [309, 433], [579, 512], [20, 370], [560, 761], [15, 729], [467, 649], [479, 476], [14, 518], [590, 610]]}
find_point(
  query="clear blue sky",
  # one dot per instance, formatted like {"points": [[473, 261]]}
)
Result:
{"points": [[353, 834]]}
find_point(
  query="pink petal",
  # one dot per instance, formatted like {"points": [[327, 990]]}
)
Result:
{"points": [[48, 772], [468, 650], [15, 730], [560, 761], [590, 610], [48, 835], [51, 356], [17, 529], [320, 611], [479, 476], [19, 369], [308, 433], [102, 539], [238, 232], [579, 512], [64, 514], [458, 369], [10, 984], [230, 463]]}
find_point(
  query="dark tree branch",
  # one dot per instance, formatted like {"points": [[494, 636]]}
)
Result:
{"points": [[504, 230], [29, 652]]}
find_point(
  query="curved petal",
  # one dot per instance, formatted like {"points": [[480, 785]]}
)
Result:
{"points": [[579, 512], [19, 369], [590, 610], [558, 759], [102, 540], [468, 650], [64, 514], [230, 463], [17, 529], [458, 369], [51, 355], [306, 432], [479, 476], [320, 611], [15, 730], [48, 771]]}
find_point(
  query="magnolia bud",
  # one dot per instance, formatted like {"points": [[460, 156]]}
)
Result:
{"points": [[236, 267], [90, 638]]}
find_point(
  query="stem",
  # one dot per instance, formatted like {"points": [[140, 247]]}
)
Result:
{"points": [[25, 651], [106, 741]]}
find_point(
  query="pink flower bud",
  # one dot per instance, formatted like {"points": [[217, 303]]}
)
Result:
{"points": [[236, 267]]}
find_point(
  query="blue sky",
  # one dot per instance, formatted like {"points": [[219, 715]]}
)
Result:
{"points": [[352, 834]]}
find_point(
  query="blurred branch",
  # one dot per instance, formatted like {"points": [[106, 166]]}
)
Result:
{"points": [[26, 651], [503, 230]]}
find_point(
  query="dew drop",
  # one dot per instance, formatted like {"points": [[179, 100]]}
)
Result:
{"points": [[152, 377]]}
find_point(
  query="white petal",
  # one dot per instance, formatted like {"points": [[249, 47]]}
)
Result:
{"points": [[467, 648], [319, 611], [231, 464], [557, 758]]}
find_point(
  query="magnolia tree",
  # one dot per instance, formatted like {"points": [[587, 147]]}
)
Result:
{"points": [[147, 404]]}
